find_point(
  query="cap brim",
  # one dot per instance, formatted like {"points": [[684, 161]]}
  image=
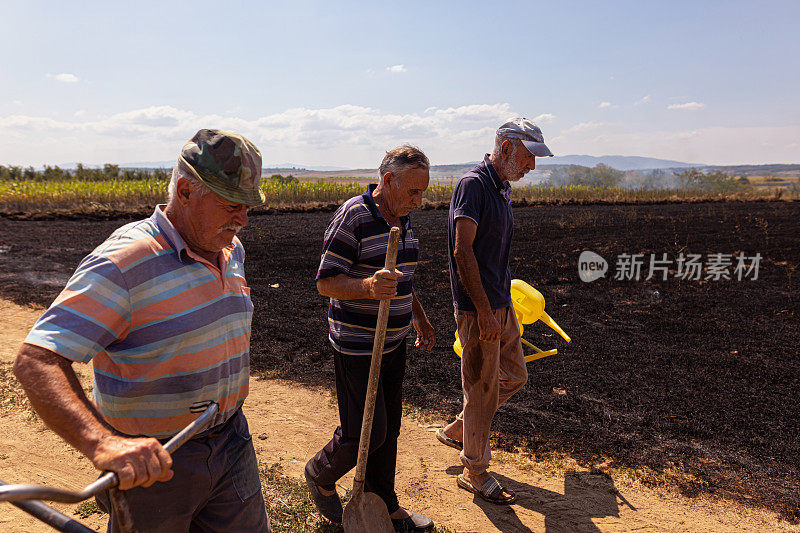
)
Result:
{"points": [[250, 197], [537, 149]]}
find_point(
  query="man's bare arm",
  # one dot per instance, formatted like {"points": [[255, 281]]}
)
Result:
{"points": [[470, 276], [426, 337], [380, 286], [58, 398]]}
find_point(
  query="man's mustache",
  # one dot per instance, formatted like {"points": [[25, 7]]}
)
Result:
{"points": [[234, 227]]}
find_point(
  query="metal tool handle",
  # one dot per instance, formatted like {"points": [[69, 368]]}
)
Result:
{"points": [[375, 368], [50, 516], [18, 493]]}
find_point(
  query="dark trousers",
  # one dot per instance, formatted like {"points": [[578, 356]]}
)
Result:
{"points": [[339, 456], [216, 488]]}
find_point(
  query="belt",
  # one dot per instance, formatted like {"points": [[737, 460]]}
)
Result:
{"points": [[219, 429], [215, 431]]}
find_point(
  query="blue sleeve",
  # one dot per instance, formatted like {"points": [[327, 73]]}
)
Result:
{"points": [[467, 199], [340, 249], [91, 312]]}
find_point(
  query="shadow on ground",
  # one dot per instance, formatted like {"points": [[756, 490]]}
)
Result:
{"points": [[586, 496]]}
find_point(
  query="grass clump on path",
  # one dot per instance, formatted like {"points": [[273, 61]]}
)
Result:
{"points": [[290, 507]]}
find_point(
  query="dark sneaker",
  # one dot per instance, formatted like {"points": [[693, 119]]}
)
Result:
{"points": [[328, 506], [415, 522]]}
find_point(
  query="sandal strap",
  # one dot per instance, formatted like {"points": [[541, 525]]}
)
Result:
{"points": [[492, 488]]}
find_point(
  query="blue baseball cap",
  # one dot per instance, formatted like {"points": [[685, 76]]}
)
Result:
{"points": [[529, 133]]}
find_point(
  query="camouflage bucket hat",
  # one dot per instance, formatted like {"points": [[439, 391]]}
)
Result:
{"points": [[227, 163]]}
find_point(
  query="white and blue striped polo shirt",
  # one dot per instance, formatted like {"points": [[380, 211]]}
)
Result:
{"points": [[355, 245]]}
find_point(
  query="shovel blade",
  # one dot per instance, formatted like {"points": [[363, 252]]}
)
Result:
{"points": [[366, 513]]}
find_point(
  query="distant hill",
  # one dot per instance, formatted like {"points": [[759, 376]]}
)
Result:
{"points": [[292, 166], [543, 168], [758, 170], [620, 162]]}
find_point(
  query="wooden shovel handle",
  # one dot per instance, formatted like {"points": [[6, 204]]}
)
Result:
{"points": [[375, 368]]}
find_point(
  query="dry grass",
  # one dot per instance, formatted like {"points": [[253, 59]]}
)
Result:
{"points": [[290, 507], [89, 196]]}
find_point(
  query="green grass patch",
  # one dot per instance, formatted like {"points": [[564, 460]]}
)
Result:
{"points": [[87, 509]]}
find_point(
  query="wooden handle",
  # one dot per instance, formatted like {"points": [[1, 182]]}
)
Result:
{"points": [[375, 368]]}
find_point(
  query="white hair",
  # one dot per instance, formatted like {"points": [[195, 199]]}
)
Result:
{"points": [[198, 186], [498, 144]]}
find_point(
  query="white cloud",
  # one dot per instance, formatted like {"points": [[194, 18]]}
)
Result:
{"points": [[643, 100], [64, 77], [688, 106], [604, 105], [358, 136], [396, 69], [712, 145], [544, 118], [584, 126], [346, 135], [16, 102]]}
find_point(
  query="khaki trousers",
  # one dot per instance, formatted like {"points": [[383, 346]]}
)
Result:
{"points": [[490, 374]]}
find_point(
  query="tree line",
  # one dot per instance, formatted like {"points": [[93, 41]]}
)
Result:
{"points": [[604, 176], [80, 172], [601, 176]]}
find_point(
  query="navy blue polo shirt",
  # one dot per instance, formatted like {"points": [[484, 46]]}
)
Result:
{"points": [[483, 197]]}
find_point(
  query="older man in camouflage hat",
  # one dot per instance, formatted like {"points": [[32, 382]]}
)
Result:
{"points": [[163, 311]]}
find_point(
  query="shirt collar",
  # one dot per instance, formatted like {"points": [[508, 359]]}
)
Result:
{"points": [[376, 213], [503, 187], [174, 237], [170, 233]]}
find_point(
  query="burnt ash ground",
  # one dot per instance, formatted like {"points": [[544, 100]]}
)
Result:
{"points": [[697, 380]]}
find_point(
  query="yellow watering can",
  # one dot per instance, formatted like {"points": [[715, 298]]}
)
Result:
{"points": [[529, 307]]}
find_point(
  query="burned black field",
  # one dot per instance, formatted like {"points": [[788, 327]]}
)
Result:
{"points": [[696, 381]]}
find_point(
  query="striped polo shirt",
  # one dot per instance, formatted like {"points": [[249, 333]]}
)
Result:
{"points": [[355, 245], [163, 328]]}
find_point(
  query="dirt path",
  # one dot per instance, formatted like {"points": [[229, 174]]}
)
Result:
{"points": [[290, 423]]}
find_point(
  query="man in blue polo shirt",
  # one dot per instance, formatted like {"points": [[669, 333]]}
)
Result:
{"points": [[480, 228]]}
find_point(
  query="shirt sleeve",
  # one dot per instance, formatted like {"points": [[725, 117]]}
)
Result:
{"points": [[340, 248], [91, 312], [467, 199]]}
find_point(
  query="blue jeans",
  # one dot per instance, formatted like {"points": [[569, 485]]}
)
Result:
{"points": [[216, 488]]}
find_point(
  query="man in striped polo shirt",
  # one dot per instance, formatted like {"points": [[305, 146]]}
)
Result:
{"points": [[351, 274], [163, 311]]}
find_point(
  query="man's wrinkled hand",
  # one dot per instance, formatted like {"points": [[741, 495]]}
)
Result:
{"points": [[383, 284], [426, 338], [489, 327], [135, 461]]}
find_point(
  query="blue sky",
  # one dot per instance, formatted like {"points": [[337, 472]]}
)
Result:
{"points": [[338, 83]]}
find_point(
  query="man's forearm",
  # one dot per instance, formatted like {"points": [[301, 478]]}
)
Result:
{"points": [[343, 287], [58, 398], [416, 307], [470, 277]]}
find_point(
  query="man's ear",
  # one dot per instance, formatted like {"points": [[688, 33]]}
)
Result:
{"points": [[388, 179], [183, 189], [506, 147]]}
